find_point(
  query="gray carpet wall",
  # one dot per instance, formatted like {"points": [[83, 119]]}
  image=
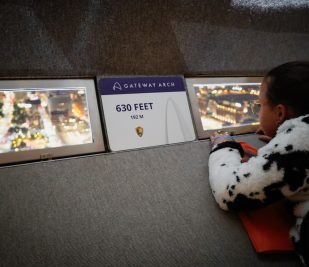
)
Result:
{"points": [[91, 37], [147, 207]]}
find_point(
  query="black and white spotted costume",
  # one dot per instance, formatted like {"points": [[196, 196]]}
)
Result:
{"points": [[280, 170]]}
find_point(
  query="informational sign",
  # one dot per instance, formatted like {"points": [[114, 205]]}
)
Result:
{"points": [[145, 111]]}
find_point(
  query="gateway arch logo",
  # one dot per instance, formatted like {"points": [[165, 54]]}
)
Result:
{"points": [[117, 86]]}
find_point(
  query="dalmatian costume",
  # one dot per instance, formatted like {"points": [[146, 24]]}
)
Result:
{"points": [[280, 170]]}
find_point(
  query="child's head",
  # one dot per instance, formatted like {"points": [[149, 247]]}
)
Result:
{"points": [[284, 95]]}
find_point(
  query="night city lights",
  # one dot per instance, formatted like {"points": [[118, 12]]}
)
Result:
{"points": [[226, 105], [43, 118]]}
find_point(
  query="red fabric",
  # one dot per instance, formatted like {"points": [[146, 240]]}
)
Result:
{"points": [[268, 227], [246, 147]]}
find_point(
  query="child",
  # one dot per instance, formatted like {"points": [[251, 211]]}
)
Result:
{"points": [[281, 168]]}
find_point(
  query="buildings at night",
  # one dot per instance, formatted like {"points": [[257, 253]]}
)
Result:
{"points": [[228, 104]]}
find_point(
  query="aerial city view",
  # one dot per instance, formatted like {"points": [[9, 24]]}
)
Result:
{"points": [[226, 105], [43, 118]]}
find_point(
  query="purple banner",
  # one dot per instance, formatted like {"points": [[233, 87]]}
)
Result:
{"points": [[138, 85]]}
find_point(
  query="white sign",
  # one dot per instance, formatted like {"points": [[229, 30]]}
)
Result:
{"points": [[145, 111]]}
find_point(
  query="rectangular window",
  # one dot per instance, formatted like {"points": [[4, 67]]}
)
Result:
{"points": [[224, 103], [41, 119]]}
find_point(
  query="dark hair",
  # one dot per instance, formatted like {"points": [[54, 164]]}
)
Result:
{"points": [[288, 84]]}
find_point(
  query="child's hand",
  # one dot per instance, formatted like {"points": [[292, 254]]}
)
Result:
{"points": [[262, 136], [220, 137]]}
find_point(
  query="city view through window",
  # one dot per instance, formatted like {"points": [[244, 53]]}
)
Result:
{"points": [[227, 105], [43, 118]]}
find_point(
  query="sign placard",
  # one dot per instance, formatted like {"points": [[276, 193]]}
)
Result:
{"points": [[145, 111]]}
